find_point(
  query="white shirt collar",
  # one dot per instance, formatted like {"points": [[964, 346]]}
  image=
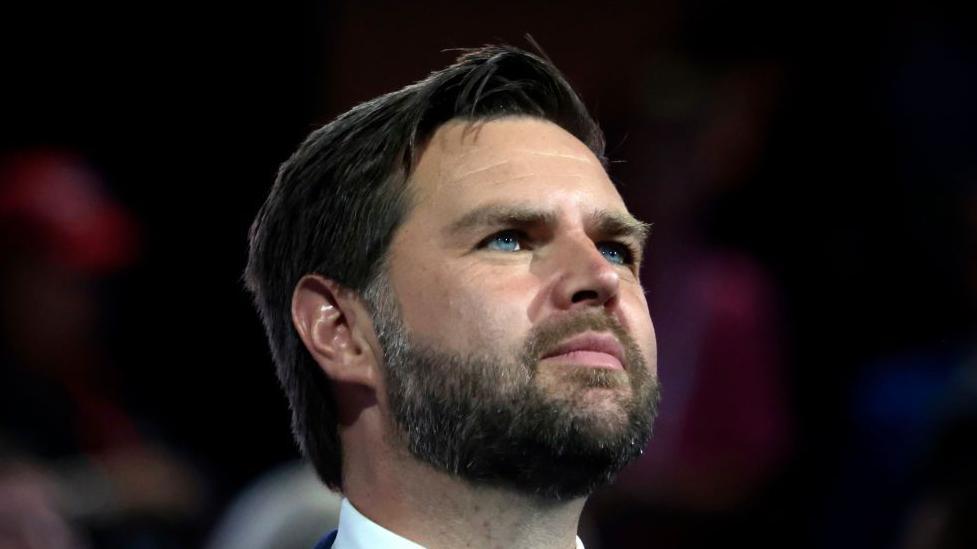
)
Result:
{"points": [[358, 532]]}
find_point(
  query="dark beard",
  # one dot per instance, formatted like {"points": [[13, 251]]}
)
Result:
{"points": [[488, 420]]}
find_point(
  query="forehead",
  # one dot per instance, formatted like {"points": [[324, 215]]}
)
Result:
{"points": [[516, 159]]}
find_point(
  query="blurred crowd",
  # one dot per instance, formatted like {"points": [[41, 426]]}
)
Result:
{"points": [[812, 271]]}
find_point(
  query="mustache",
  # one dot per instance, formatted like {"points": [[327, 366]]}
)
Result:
{"points": [[545, 337]]}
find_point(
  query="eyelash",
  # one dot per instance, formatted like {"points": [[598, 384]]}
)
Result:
{"points": [[626, 250], [629, 251], [520, 237]]}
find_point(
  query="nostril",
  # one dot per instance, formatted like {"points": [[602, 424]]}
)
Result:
{"points": [[584, 295]]}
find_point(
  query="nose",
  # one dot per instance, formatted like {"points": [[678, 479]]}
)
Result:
{"points": [[585, 278]]}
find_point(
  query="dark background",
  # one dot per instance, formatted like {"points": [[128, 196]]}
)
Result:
{"points": [[822, 154]]}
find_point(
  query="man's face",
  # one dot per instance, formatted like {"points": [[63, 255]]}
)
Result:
{"points": [[519, 345]]}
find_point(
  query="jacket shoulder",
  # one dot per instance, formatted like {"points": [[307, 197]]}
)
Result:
{"points": [[327, 541]]}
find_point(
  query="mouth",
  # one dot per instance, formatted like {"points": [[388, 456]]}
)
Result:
{"points": [[590, 349]]}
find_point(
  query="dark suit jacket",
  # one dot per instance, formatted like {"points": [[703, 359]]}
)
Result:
{"points": [[326, 542]]}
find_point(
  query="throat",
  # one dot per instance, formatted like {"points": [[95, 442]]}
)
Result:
{"points": [[436, 510]]}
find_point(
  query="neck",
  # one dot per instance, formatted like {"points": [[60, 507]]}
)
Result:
{"points": [[436, 510]]}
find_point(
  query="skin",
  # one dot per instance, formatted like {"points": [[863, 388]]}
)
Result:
{"points": [[464, 287]]}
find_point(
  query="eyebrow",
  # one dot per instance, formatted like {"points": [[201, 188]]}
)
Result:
{"points": [[606, 223], [501, 214], [621, 225]]}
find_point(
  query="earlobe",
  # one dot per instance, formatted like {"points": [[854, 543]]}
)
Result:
{"points": [[330, 322]]}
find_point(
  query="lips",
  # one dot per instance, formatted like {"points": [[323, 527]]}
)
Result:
{"points": [[593, 349]]}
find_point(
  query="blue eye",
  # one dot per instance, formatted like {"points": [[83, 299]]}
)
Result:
{"points": [[616, 252], [505, 241]]}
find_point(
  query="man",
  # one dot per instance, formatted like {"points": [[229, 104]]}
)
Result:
{"points": [[449, 283]]}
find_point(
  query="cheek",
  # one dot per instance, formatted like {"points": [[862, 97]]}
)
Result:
{"points": [[466, 309], [652, 349], [641, 327]]}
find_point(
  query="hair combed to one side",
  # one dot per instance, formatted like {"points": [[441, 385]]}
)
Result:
{"points": [[337, 201]]}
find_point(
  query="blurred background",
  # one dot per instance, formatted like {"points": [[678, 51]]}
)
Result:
{"points": [[810, 169]]}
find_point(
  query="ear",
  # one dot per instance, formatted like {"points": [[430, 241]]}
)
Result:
{"points": [[336, 329]]}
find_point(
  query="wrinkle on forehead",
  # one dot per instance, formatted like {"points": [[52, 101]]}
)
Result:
{"points": [[494, 155], [511, 157], [584, 159], [482, 169]]}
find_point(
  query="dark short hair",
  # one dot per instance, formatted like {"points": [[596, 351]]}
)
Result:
{"points": [[337, 201]]}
